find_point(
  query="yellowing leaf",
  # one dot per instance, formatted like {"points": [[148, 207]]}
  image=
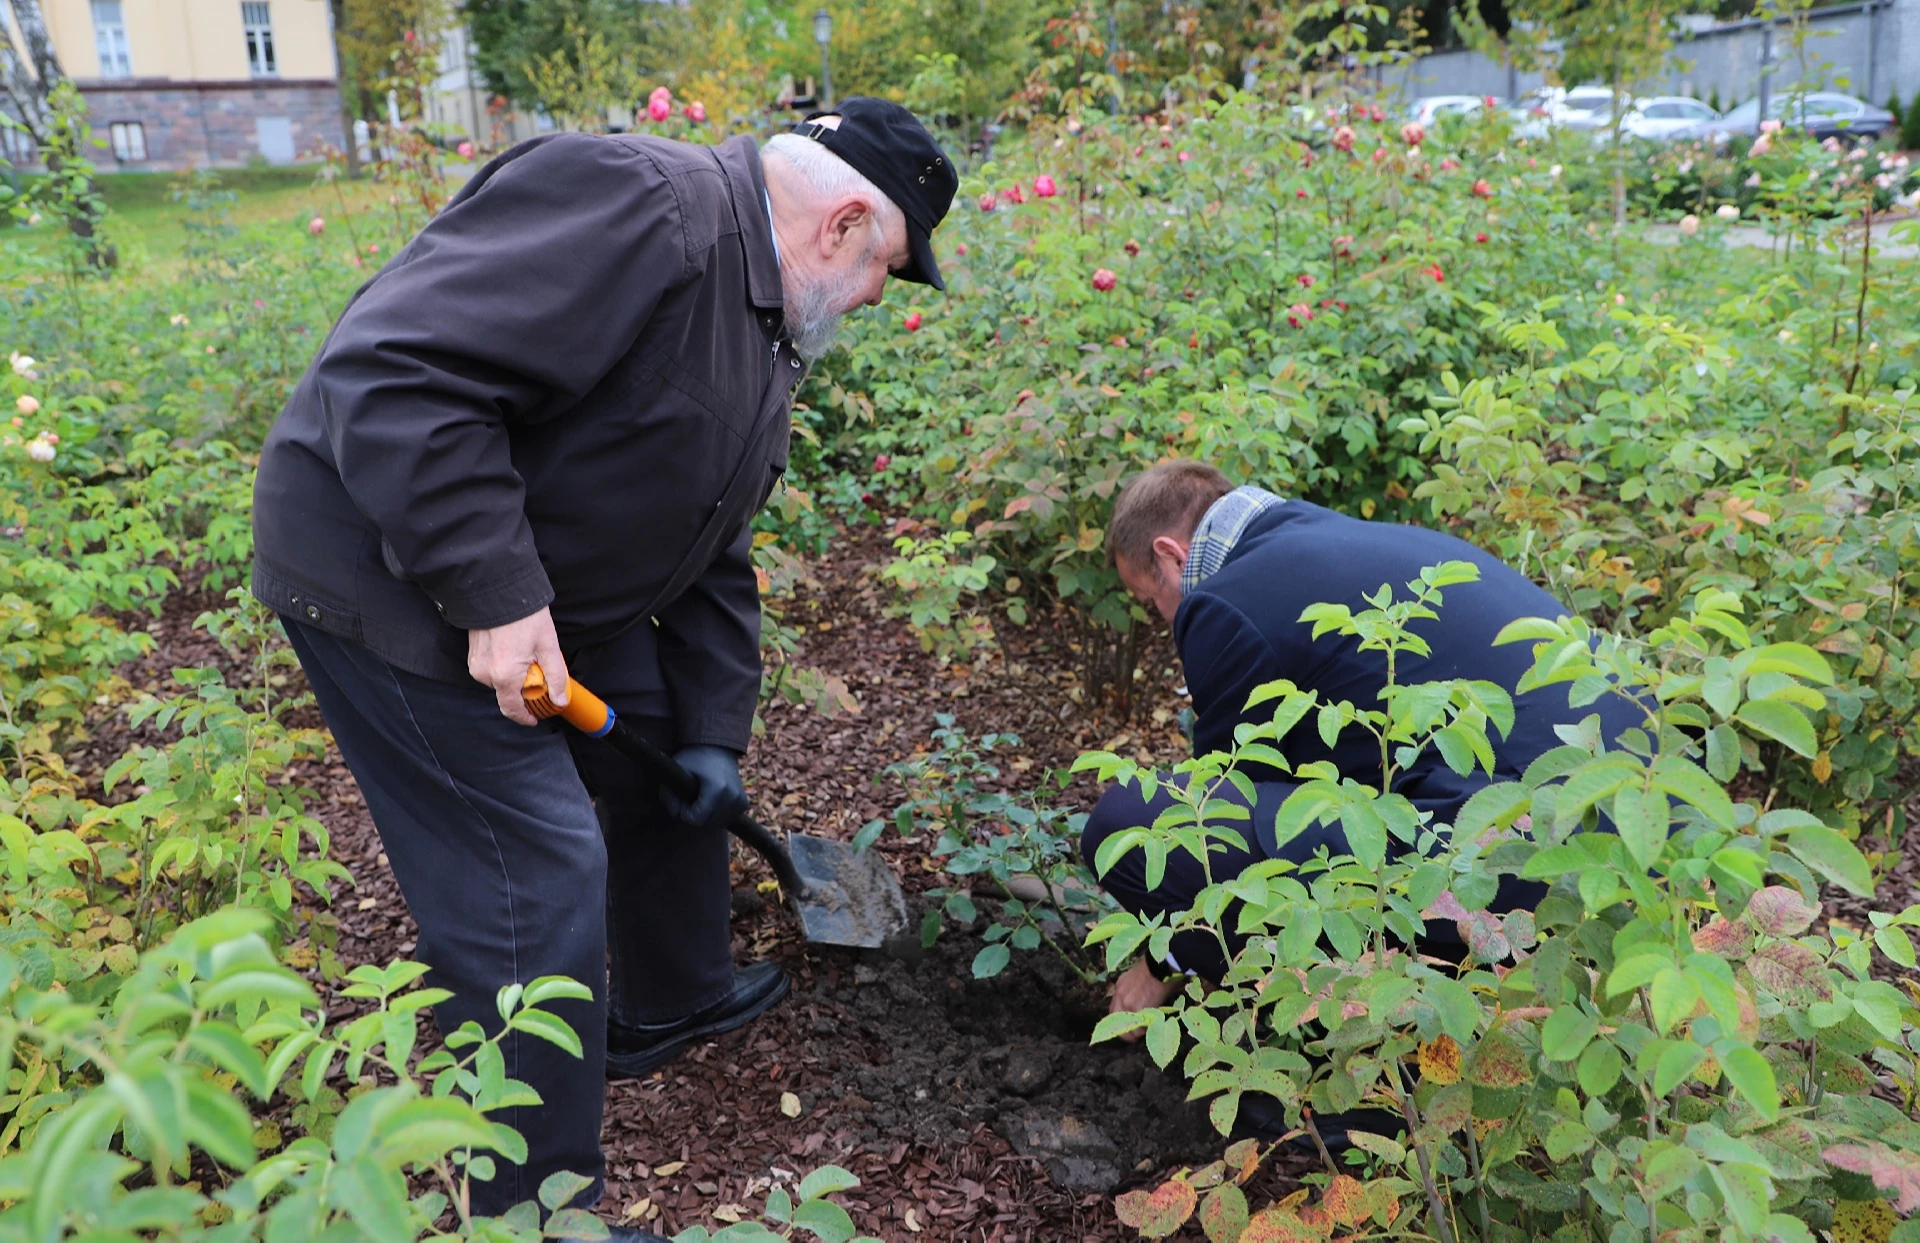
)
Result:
{"points": [[789, 1104], [1440, 1060]]}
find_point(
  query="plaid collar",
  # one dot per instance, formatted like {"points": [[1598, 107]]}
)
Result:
{"points": [[1220, 528]]}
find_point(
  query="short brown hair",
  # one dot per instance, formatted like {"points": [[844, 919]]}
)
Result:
{"points": [[1167, 499]]}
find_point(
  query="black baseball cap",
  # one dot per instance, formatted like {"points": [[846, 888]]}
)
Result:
{"points": [[887, 145]]}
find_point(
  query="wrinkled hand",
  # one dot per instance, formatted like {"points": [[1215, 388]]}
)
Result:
{"points": [[501, 656], [1139, 989], [721, 798]]}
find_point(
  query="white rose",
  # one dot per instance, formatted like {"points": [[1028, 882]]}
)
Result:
{"points": [[40, 450], [1689, 224], [21, 363], [1727, 211]]}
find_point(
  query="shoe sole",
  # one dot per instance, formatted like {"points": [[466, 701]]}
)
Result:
{"points": [[640, 1065]]}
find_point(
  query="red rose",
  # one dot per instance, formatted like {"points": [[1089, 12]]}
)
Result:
{"points": [[1379, 154], [1305, 279], [882, 461], [1413, 133], [986, 201], [1343, 246], [696, 112], [1193, 342], [1377, 114], [1449, 164], [1299, 194], [1104, 279], [1015, 194], [1132, 248], [1043, 187], [913, 325], [1435, 272], [1479, 237], [1481, 190], [961, 250], [1298, 314], [1343, 138]]}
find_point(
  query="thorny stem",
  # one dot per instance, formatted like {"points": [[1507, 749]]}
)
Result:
{"points": [[1412, 1117]]}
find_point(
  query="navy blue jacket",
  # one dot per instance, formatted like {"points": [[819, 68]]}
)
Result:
{"points": [[1241, 628]]}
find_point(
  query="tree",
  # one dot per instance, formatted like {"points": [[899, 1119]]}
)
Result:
{"points": [[29, 69], [1622, 43]]}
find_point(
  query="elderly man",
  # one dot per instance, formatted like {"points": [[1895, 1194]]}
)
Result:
{"points": [[539, 434], [1231, 569]]}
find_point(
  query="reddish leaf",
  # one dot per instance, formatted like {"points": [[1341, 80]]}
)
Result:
{"points": [[1781, 912], [1167, 1208], [1276, 1225], [1499, 1062], [1346, 1200], [1243, 1158], [1720, 936], [1890, 1170], [1485, 938], [1791, 972], [1131, 1208], [1223, 1215], [1450, 1109]]}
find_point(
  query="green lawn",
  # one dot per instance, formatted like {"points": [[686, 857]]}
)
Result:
{"points": [[268, 203]]}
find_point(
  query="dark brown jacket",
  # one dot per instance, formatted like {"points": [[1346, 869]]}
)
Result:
{"points": [[572, 388]]}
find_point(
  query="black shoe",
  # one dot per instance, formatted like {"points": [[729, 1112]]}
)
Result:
{"points": [[634, 1052]]}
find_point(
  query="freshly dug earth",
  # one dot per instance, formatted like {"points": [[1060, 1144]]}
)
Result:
{"points": [[921, 1051]]}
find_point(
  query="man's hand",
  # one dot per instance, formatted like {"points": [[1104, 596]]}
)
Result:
{"points": [[721, 799], [1139, 989], [501, 656]]}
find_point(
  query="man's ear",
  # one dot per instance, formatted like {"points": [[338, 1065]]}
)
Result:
{"points": [[1168, 548], [848, 223]]}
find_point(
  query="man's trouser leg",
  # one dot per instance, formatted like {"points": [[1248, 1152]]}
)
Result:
{"points": [[669, 896], [498, 854], [1121, 808]]}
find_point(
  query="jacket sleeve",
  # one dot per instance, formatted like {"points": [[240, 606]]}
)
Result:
{"points": [[513, 302], [710, 651], [1225, 657]]}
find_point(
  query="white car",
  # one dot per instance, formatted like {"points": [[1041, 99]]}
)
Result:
{"points": [[1428, 108], [1662, 116], [1586, 108]]}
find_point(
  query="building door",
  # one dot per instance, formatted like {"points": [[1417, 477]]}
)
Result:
{"points": [[275, 135]]}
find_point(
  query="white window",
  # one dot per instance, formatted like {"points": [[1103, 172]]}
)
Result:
{"points": [[110, 40], [129, 140], [258, 20]]}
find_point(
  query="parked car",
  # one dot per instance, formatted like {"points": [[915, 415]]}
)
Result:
{"points": [[1823, 114], [1586, 108], [1662, 116], [1427, 109]]}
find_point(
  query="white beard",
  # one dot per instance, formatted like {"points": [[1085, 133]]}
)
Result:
{"points": [[813, 309]]}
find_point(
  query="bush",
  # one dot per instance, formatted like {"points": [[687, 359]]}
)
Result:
{"points": [[1663, 1042]]}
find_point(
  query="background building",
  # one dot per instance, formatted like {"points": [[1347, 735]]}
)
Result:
{"points": [[174, 83]]}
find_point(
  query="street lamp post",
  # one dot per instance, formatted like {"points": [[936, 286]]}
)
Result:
{"points": [[823, 35]]}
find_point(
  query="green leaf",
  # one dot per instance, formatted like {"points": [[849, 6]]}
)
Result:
{"points": [[1674, 995], [991, 961], [1782, 722], [824, 1220], [1684, 780], [1567, 1032], [1495, 805], [555, 988], [1678, 1060], [1833, 856], [1752, 1076], [1600, 1068], [1587, 785], [1745, 1190], [1795, 658], [548, 1027], [825, 1181], [1163, 1040], [561, 1186], [1642, 818]]}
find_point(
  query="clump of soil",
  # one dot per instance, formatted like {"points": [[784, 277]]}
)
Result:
{"points": [[920, 1050]]}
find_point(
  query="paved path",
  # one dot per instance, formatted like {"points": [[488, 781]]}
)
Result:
{"points": [[1892, 239]]}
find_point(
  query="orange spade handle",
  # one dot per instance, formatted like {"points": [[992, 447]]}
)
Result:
{"points": [[584, 710]]}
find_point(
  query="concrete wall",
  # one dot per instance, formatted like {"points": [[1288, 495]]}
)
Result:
{"points": [[1869, 52]]}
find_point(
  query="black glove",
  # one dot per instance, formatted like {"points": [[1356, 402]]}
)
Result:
{"points": [[721, 798]]}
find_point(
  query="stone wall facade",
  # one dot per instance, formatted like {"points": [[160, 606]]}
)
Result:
{"points": [[217, 124]]}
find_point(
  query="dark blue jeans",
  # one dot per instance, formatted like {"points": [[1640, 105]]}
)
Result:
{"points": [[513, 870]]}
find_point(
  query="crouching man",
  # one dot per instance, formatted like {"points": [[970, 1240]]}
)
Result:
{"points": [[1231, 569]]}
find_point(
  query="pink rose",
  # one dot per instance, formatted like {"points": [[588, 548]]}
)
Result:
{"points": [[696, 112], [659, 108], [316, 226], [1343, 138], [1298, 314], [464, 151], [1104, 279], [1413, 133], [1043, 187], [987, 201]]}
